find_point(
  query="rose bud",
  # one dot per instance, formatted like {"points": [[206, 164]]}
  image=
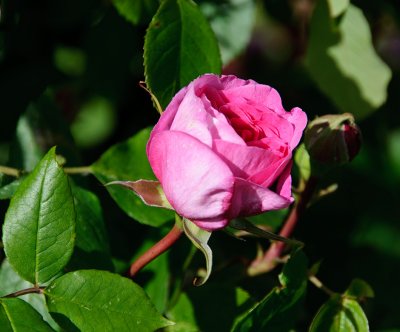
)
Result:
{"points": [[223, 149], [333, 139]]}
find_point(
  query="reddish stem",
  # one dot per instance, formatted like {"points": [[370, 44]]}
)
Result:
{"points": [[270, 258], [160, 247]]}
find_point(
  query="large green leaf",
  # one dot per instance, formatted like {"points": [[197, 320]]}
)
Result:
{"points": [[127, 161], [11, 282], [179, 46], [273, 312], [342, 60], [340, 314], [39, 227], [18, 316], [136, 11], [232, 22], [91, 245], [101, 301]]}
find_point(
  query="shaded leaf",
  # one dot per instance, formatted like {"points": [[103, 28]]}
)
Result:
{"points": [[271, 314], [101, 301], [127, 161], [179, 46], [18, 316], [340, 315], [342, 60], [91, 245], [39, 227]]}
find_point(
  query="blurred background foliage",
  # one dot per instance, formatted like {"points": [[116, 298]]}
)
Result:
{"points": [[70, 73]]}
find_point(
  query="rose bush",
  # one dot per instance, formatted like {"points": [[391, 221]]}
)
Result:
{"points": [[223, 149]]}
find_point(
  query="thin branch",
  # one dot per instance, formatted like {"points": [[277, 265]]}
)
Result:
{"points": [[317, 283], [273, 255], [11, 171], [78, 170], [31, 290], [160, 247]]}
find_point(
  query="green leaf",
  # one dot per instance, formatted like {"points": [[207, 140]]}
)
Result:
{"points": [[11, 282], [200, 238], [273, 312], [302, 160], [359, 289], [337, 7], [124, 162], [136, 11], [342, 60], [18, 316], [232, 22], [39, 227], [179, 46], [91, 245], [340, 314], [101, 301], [7, 191]]}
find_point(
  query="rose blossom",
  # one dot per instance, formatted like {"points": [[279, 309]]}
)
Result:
{"points": [[223, 149]]}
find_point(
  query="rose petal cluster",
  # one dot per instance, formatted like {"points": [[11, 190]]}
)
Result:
{"points": [[223, 149]]}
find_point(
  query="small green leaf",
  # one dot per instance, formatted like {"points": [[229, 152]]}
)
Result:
{"points": [[179, 46], [39, 227], [342, 60], [340, 314], [232, 22], [199, 238], [101, 301], [136, 11], [337, 7], [359, 289], [271, 314], [124, 162], [18, 316]]}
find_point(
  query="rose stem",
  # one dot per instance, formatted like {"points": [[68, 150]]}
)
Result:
{"points": [[160, 247], [275, 250]]}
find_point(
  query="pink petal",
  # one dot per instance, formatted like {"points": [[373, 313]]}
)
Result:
{"points": [[284, 185], [250, 199], [197, 183], [299, 120], [211, 224], [251, 162]]}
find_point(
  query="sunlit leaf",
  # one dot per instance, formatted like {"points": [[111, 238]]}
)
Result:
{"points": [[343, 62], [179, 46], [39, 227], [232, 22], [101, 301]]}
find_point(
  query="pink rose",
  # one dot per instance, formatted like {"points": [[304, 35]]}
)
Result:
{"points": [[223, 149]]}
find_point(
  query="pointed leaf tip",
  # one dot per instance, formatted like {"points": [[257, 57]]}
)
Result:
{"points": [[150, 192]]}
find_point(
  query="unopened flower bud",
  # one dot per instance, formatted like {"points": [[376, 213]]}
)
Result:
{"points": [[333, 139]]}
